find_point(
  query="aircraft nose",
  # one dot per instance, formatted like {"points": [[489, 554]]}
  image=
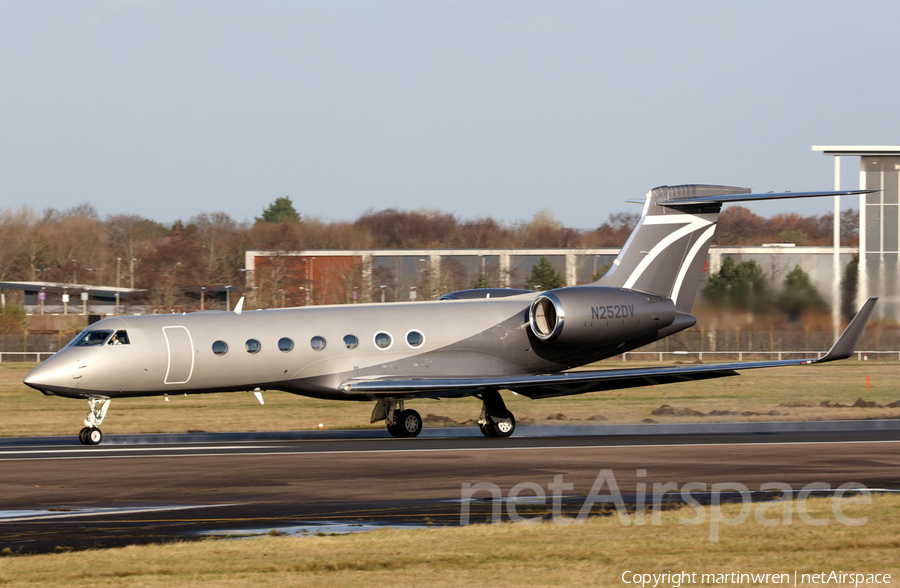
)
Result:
{"points": [[48, 376]]}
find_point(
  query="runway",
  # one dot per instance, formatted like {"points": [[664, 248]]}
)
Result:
{"points": [[163, 489]]}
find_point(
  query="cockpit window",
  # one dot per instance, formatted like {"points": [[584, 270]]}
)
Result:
{"points": [[91, 338], [119, 338]]}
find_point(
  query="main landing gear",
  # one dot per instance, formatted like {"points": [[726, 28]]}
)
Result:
{"points": [[400, 422], [91, 434], [496, 420]]}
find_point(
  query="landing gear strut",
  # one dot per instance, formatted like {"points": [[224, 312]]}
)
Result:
{"points": [[91, 434], [400, 422], [496, 420]]}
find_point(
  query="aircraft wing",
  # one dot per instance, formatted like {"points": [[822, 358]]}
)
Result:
{"points": [[568, 383]]}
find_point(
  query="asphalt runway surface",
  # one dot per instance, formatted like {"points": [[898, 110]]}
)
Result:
{"points": [[57, 495]]}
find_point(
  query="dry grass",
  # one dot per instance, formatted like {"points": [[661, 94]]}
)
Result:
{"points": [[27, 412], [593, 554]]}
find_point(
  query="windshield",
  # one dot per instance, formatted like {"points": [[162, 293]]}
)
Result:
{"points": [[89, 338]]}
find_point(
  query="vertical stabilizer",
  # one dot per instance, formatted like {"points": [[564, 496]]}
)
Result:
{"points": [[667, 250]]}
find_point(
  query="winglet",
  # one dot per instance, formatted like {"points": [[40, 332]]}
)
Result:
{"points": [[240, 306], [846, 343]]}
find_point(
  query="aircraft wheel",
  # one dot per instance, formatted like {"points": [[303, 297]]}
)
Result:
{"points": [[82, 435], [409, 423], [94, 436], [505, 427], [394, 430]]}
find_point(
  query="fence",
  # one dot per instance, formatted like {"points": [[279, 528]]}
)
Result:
{"points": [[695, 343], [25, 356], [695, 340], [31, 343]]}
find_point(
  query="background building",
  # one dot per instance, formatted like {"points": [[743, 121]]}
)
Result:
{"points": [[879, 223], [280, 278]]}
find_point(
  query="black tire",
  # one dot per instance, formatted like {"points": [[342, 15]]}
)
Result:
{"points": [[394, 430], [82, 435], [94, 436], [409, 422], [487, 429]]}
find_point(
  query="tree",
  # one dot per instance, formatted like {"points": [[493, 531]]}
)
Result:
{"points": [[175, 263], [614, 232], [737, 225], [545, 231], [223, 245], [544, 276], [849, 288], [13, 320], [741, 286], [799, 294], [601, 271], [418, 229], [282, 210], [481, 282]]}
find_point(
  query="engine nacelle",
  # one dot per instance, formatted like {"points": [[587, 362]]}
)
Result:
{"points": [[594, 315]]}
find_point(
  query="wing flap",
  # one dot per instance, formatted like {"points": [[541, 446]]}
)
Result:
{"points": [[535, 392], [588, 381]]}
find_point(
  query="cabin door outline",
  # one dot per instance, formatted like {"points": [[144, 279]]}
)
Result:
{"points": [[180, 348]]}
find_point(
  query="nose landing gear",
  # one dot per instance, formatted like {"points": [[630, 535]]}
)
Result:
{"points": [[91, 434]]}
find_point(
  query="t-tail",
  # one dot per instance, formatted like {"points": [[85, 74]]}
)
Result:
{"points": [[667, 250]]}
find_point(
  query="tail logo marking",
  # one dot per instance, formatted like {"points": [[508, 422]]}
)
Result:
{"points": [[691, 223]]}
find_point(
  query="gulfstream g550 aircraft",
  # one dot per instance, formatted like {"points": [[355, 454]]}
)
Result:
{"points": [[468, 343]]}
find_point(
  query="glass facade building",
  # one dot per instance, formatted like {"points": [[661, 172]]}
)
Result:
{"points": [[879, 227]]}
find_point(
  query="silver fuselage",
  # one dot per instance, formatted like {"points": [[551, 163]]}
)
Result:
{"points": [[172, 354]]}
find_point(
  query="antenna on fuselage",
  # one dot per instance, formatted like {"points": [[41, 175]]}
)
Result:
{"points": [[240, 306]]}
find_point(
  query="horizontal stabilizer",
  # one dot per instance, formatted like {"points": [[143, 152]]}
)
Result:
{"points": [[726, 198]]}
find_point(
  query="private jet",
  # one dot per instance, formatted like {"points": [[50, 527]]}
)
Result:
{"points": [[471, 343]]}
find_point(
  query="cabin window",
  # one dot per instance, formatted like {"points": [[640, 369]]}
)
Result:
{"points": [[351, 341], [91, 338], [220, 348], [253, 346], [285, 344], [383, 340], [317, 343], [119, 338], [415, 339]]}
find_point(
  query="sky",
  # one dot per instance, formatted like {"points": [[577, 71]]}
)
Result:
{"points": [[168, 109]]}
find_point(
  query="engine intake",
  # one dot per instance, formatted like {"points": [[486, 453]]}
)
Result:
{"points": [[594, 315]]}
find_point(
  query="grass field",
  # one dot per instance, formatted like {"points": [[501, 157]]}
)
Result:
{"points": [[27, 412], [596, 553]]}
